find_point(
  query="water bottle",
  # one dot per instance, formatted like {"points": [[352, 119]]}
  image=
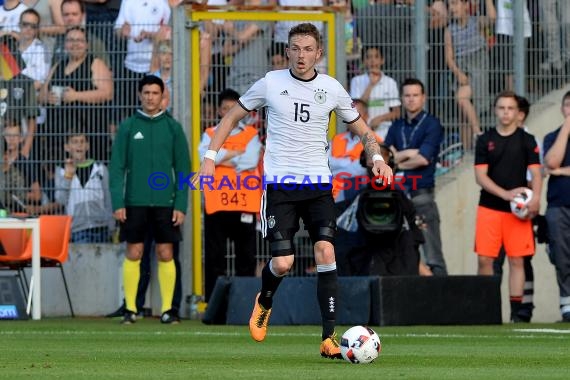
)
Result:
{"points": [[192, 302]]}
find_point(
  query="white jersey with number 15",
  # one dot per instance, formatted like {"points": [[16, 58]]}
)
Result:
{"points": [[298, 114]]}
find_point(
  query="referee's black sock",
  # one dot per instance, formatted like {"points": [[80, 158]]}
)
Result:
{"points": [[269, 284], [327, 288]]}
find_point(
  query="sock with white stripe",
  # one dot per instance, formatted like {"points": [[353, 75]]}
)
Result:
{"points": [[327, 289]]}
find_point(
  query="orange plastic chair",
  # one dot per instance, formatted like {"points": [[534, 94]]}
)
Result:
{"points": [[16, 254], [55, 233]]}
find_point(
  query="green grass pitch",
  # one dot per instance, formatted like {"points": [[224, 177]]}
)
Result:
{"points": [[104, 349]]}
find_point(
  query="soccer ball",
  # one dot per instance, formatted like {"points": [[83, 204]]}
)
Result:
{"points": [[360, 345], [519, 204]]}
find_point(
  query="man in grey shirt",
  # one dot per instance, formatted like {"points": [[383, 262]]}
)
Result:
{"points": [[249, 43]]}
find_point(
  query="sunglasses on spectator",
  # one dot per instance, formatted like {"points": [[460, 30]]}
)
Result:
{"points": [[32, 25]]}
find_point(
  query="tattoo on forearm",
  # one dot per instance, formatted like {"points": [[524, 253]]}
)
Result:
{"points": [[371, 146]]}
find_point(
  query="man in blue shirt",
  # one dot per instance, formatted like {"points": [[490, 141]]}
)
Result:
{"points": [[557, 162], [415, 140]]}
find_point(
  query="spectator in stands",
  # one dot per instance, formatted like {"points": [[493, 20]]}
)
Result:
{"points": [[82, 186], [213, 33], [102, 12], [277, 57], [73, 13], [557, 161], [100, 19], [378, 90], [467, 58], [51, 24], [231, 214], [83, 84], [30, 197], [415, 140], [139, 23], [10, 17], [34, 51], [247, 44], [18, 96], [205, 60], [556, 24], [352, 44], [208, 109], [503, 52], [162, 68], [13, 187], [502, 157], [437, 76], [389, 25]]}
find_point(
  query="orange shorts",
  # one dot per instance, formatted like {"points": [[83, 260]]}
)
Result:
{"points": [[494, 229]]}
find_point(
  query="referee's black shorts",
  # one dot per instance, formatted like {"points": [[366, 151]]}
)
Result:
{"points": [[141, 218]]}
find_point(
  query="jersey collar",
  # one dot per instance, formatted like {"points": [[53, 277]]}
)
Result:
{"points": [[303, 80]]}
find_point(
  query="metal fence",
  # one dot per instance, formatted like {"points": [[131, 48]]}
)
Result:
{"points": [[463, 73], [62, 100], [492, 49]]}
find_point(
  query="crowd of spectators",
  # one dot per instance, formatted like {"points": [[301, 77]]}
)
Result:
{"points": [[69, 74], [74, 65]]}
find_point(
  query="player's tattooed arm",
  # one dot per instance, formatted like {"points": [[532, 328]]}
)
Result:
{"points": [[371, 146]]}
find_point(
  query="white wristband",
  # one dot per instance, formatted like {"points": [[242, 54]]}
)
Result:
{"points": [[377, 157], [211, 154]]}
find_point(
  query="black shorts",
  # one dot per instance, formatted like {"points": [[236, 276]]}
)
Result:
{"points": [[141, 219], [282, 208]]}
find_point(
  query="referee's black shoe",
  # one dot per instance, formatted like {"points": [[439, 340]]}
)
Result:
{"points": [[129, 317], [170, 317], [117, 313]]}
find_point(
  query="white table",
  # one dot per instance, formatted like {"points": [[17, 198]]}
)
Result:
{"points": [[34, 225]]}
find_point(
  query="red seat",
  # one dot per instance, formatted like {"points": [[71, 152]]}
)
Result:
{"points": [[16, 252], [55, 234]]}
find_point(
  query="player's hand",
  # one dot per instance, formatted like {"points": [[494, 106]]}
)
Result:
{"points": [[120, 214], [207, 169], [383, 171], [511, 194], [533, 207], [177, 218]]}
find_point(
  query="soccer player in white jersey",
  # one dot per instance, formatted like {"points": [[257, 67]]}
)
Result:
{"points": [[299, 101]]}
